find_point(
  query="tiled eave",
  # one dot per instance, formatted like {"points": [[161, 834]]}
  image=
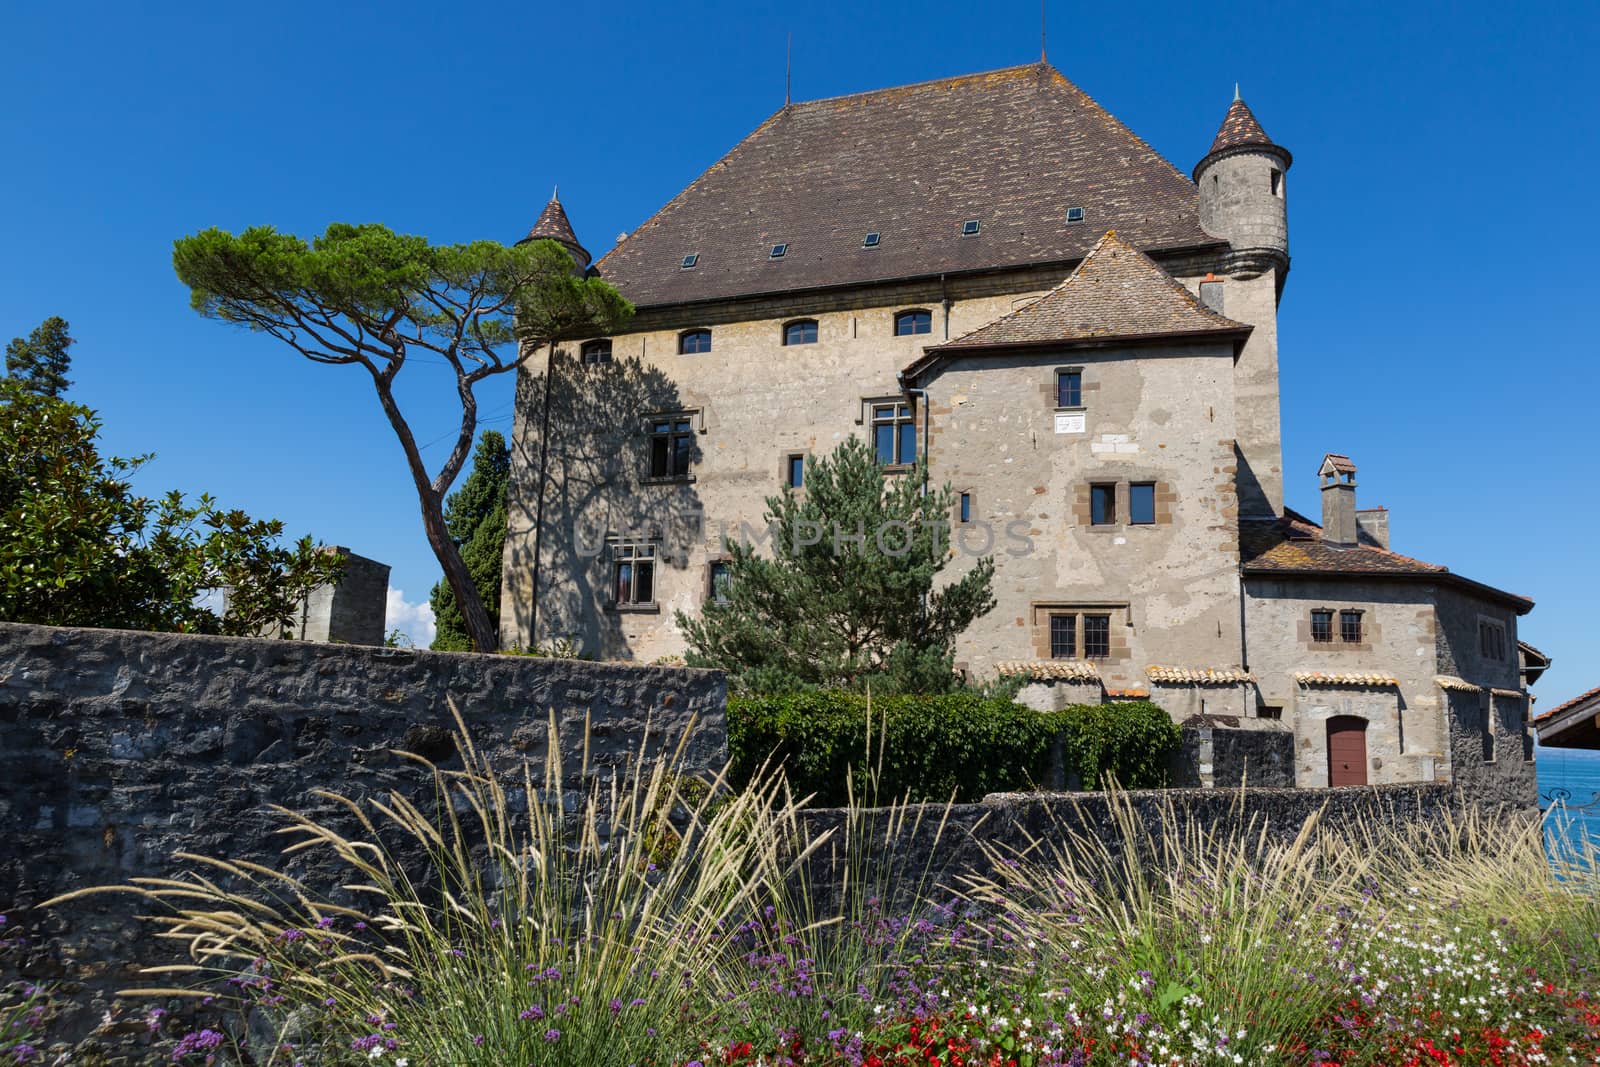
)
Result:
{"points": [[1198, 675], [1346, 679], [1071, 670], [1456, 685]]}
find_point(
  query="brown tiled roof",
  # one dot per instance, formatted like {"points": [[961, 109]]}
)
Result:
{"points": [[1581, 698], [1239, 127], [1117, 291], [554, 225], [1012, 149], [1072, 670], [1340, 463], [1346, 678], [1293, 545], [1198, 675]]}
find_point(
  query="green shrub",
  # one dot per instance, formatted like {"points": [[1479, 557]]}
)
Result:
{"points": [[932, 747]]}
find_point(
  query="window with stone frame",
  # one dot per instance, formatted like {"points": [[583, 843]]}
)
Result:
{"points": [[1096, 636], [595, 352], [671, 445], [1350, 627], [693, 341], [1103, 503], [915, 321], [1069, 387], [1142, 504], [1322, 626], [633, 574], [1063, 637], [801, 332], [894, 433], [717, 574]]}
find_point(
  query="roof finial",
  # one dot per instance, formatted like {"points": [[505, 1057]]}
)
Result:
{"points": [[555, 194], [1236, 92], [788, 67], [1043, 57]]}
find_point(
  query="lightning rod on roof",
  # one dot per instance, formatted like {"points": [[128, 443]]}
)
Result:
{"points": [[1043, 58], [788, 67]]}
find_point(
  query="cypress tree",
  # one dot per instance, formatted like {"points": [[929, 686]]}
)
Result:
{"points": [[475, 516]]}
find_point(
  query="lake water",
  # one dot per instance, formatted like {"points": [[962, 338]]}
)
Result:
{"points": [[1570, 776]]}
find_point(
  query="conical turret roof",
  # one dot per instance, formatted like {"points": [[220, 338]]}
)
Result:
{"points": [[1241, 129], [553, 225]]}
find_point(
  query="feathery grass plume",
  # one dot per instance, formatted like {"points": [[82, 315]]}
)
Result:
{"points": [[536, 928]]}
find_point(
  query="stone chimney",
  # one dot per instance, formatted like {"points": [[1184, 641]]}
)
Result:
{"points": [[1338, 476], [1374, 525]]}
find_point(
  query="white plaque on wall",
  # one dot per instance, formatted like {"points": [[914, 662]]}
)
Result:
{"points": [[1069, 422]]}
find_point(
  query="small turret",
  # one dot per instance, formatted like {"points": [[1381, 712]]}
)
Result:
{"points": [[1242, 192], [554, 226]]}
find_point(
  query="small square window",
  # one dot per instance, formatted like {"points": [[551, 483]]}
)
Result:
{"points": [[1142, 503], [1069, 388], [872, 240], [794, 471], [1350, 627], [1096, 636], [778, 252], [1103, 504], [1074, 214], [690, 260], [1322, 626], [970, 228], [1063, 636]]}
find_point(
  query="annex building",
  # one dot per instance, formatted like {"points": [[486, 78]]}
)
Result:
{"points": [[993, 274]]}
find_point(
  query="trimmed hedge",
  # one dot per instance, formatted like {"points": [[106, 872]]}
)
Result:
{"points": [[934, 746]]}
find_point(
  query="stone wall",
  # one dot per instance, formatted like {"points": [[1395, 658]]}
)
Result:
{"points": [[1223, 751], [118, 749]]}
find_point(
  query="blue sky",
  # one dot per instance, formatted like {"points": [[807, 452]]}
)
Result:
{"points": [[1436, 324]]}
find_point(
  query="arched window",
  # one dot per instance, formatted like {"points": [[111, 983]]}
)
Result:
{"points": [[594, 352], [690, 341], [918, 320], [802, 332]]}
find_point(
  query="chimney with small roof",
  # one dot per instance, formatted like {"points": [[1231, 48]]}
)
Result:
{"points": [[1338, 476]]}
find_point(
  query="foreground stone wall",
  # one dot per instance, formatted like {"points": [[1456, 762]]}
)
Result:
{"points": [[119, 749]]}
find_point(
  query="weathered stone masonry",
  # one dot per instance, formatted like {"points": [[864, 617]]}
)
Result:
{"points": [[118, 749]]}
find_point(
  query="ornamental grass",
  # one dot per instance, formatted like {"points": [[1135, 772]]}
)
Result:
{"points": [[655, 921]]}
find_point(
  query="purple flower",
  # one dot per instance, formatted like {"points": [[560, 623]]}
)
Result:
{"points": [[552, 1036], [199, 1041]]}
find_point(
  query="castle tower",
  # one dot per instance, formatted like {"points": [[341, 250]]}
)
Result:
{"points": [[554, 226], [1243, 200], [1242, 193]]}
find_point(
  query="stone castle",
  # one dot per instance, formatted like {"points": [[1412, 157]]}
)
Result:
{"points": [[994, 275]]}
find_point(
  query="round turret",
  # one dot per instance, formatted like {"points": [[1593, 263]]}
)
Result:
{"points": [[1243, 192]]}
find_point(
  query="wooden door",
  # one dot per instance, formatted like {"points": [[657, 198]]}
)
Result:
{"points": [[1347, 750]]}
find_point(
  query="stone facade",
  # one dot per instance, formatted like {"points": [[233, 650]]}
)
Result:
{"points": [[1206, 607]]}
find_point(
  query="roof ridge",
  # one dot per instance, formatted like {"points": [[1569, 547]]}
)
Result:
{"points": [[954, 79]]}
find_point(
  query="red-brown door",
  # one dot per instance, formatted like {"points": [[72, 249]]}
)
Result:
{"points": [[1347, 750]]}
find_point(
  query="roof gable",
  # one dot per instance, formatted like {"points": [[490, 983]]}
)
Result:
{"points": [[1012, 149], [1117, 291]]}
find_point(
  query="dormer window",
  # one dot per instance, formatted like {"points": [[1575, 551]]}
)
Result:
{"points": [[803, 332], [872, 240], [690, 260], [692, 341], [1074, 214], [595, 352], [970, 228], [778, 251], [914, 321]]}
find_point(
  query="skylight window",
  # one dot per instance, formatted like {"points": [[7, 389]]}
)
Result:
{"points": [[970, 228], [690, 260], [872, 240], [778, 251], [1074, 214]]}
